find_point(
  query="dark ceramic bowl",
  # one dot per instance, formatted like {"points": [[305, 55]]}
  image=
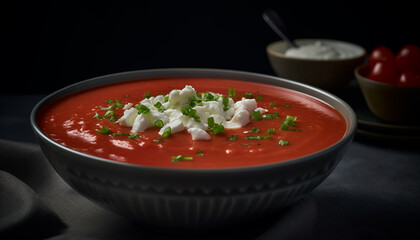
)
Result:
{"points": [[390, 103], [325, 74], [193, 199]]}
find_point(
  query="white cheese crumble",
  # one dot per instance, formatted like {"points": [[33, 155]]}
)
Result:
{"points": [[230, 115]]}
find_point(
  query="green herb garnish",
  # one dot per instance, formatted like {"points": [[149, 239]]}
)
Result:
{"points": [[231, 92], [273, 104], [225, 104], [258, 137], [181, 158], [271, 130], [147, 95], [190, 112], [249, 95], [97, 116], [159, 107], [142, 109], [158, 124], [104, 130], [233, 137], [200, 153], [166, 134], [255, 130], [214, 127], [271, 115], [289, 121], [258, 98], [133, 136], [283, 142], [209, 97], [256, 115], [110, 114]]}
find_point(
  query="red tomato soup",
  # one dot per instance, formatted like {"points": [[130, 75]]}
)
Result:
{"points": [[75, 120]]}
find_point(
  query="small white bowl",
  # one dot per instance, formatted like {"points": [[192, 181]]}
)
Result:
{"points": [[326, 74]]}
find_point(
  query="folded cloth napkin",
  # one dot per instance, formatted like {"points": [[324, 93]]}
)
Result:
{"points": [[23, 214], [36, 202]]}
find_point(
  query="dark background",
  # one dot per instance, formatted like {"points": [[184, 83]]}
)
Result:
{"points": [[50, 44]]}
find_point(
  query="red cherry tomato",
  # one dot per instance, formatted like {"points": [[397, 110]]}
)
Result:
{"points": [[408, 58], [385, 72], [409, 79], [381, 54]]}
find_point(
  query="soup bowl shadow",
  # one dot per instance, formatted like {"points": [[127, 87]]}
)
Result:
{"points": [[193, 199]]}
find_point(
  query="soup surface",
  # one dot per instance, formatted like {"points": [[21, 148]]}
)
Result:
{"points": [[78, 122]]}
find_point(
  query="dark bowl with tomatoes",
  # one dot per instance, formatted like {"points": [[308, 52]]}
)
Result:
{"points": [[391, 83], [392, 103]]}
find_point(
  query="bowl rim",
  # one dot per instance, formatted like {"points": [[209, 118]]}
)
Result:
{"points": [[185, 72], [270, 51]]}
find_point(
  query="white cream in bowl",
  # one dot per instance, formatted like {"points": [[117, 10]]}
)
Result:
{"points": [[321, 50]]}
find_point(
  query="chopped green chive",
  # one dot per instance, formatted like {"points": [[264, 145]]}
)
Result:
{"points": [[181, 158], [255, 130], [289, 121], [283, 142], [225, 104], [166, 98], [273, 104], [158, 124], [231, 92], [185, 111], [271, 115], [214, 127], [210, 121], [249, 95], [217, 129], [110, 114], [200, 153], [166, 134], [159, 107], [190, 112], [118, 104], [209, 97], [97, 116], [256, 115], [259, 98], [147, 95], [133, 136], [104, 130], [258, 137], [271, 130], [142, 109], [284, 105], [233, 137]]}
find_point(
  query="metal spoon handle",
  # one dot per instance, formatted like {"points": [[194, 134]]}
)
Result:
{"points": [[274, 21]]}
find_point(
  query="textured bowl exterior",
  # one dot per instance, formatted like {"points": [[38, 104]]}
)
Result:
{"points": [[325, 74], [187, 198], [390, 103]]}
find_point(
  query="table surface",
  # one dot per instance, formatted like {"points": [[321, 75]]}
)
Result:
{"points": [[373, 193]]}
